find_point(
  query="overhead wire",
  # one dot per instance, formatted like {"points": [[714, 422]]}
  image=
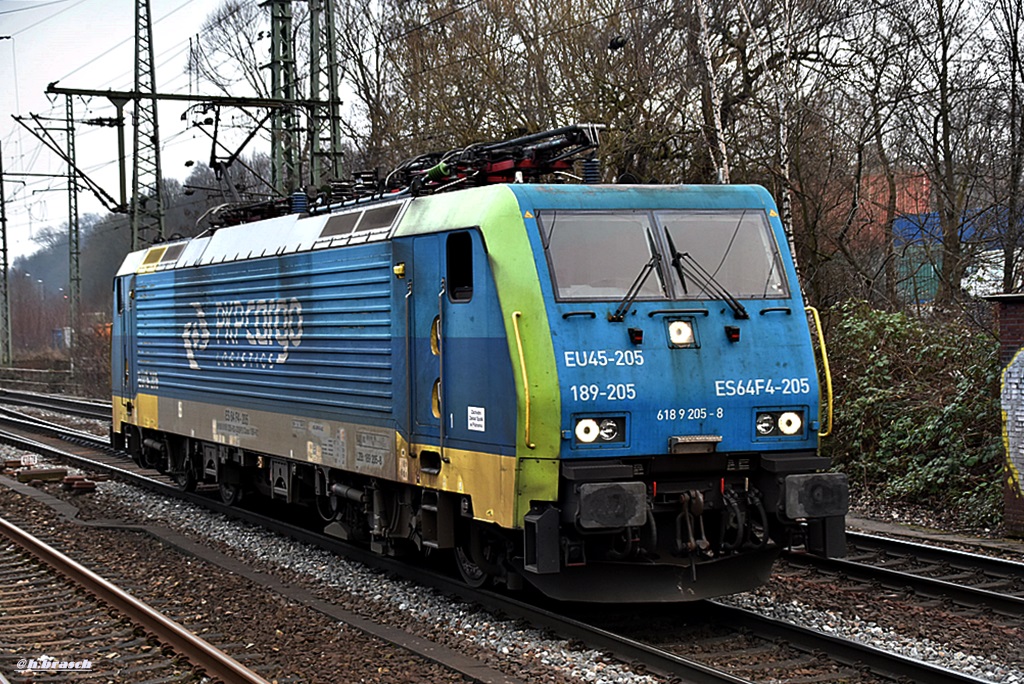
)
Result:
{"points": [[33, 7], [46, 18], [184, 43], [166, 56], [117, 45], [420, 27], [15, 132]]}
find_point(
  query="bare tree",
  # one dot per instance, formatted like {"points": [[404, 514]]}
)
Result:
{"points": [[497, 67], [850, 208], [948, 91], [828, 104], [1008, 19], [712, 108], [232, 48]]}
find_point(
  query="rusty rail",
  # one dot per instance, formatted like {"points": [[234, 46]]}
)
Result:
{"points": [[200, 653]]}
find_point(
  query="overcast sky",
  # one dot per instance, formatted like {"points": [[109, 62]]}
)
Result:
{"points": [[86, 44]]}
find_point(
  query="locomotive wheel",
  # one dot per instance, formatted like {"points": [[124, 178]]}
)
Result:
{"points": [[230, 493], [469, 571], [186, 480], [479, 556]]}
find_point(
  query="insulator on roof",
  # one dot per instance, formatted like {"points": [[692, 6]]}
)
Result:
{"points": [[299, 202]]}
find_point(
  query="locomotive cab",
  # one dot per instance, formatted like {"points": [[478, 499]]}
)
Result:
{"points": [[689, 396]]}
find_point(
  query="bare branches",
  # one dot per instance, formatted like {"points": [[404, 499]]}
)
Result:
{"points": [[862, 117]]}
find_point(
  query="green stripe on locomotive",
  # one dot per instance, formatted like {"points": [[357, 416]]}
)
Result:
{"points": [[497, 213]]}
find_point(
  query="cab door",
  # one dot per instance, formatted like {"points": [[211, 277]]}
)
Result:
{"points": [[427, 309], [463, 390], [126, 312]]}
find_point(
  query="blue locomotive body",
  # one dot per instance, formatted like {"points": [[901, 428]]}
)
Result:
{"points": [[711, 385], [607, 391]]}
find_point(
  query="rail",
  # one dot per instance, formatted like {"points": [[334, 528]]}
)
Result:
{"points": [[967, 579], [84, 408], [854, 653], [215, 662], [655, 658]]}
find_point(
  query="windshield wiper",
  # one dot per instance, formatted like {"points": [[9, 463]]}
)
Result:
{"points": [[619, 314], [708, 283], [677, 261], [699, 275]]}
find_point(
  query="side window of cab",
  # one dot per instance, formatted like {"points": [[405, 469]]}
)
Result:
{"points": [[459, 270]]}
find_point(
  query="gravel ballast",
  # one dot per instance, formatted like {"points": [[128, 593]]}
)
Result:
{"points": [[504, 644]]}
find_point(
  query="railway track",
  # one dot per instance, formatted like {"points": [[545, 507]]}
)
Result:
{"points": [[730, 633], [84, 449], [83, 408], [92, 453], [121, 467], [969, 580], [759, 648], [50, 604]]}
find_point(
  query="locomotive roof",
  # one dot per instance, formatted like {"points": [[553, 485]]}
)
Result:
{"points": [[383, 220]]}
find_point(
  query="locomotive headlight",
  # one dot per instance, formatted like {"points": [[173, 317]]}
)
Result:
{"points": [[609, 430], [765, 423], [680, 334], [587, 430], [779, 423], [790, 423], [600, 431]]}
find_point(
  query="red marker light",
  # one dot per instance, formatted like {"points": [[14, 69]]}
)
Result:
{"points": [[636, 335], [732, 333]]}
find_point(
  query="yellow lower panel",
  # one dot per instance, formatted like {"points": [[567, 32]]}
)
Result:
{"points": [[145, 411], [119, 412], [488, 479]]}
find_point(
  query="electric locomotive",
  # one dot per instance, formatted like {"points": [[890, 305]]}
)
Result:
{"points": [[608, 392]]}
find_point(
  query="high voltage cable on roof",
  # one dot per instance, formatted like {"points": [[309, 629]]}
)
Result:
{"points": [[521, 159]]}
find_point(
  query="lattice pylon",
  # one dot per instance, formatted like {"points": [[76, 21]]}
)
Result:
{"points": [[325, 120], [74, 251], [283, 123], [5, 278], [147, 181]]}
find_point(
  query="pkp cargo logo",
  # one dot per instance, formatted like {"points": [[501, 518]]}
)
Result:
{"points": [[196, 336], [258, 333]]}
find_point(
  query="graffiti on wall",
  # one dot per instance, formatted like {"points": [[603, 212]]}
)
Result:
{"points": [[1013, 421]]}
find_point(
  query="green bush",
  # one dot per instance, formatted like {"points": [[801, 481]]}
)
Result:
{"points": [[917, 412]]}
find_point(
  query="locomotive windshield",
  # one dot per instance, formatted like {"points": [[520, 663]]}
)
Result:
{"points": [[735, 247], [597, 255]]}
